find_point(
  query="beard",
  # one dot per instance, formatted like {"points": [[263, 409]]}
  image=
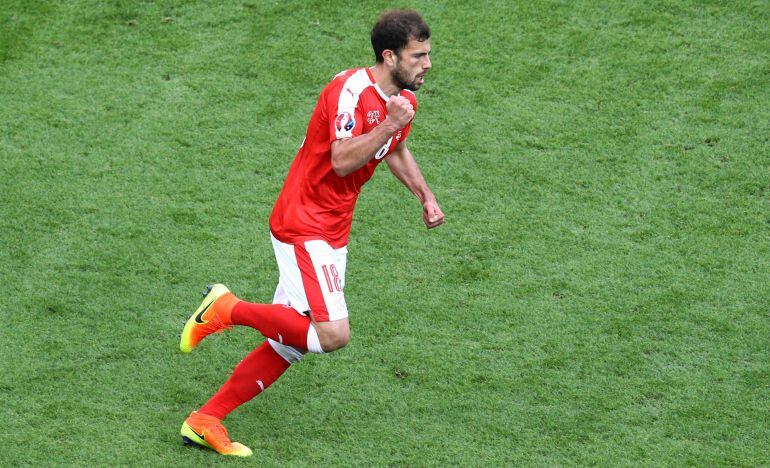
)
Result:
{"points": [[401, 79]]}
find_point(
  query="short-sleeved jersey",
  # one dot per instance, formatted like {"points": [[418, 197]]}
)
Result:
{"points": [[316, 203]]}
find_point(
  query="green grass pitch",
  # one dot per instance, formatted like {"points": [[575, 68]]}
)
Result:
{"points": [[599, 294]]}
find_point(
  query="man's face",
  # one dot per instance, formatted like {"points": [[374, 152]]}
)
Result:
{"points": [[411, 65]]}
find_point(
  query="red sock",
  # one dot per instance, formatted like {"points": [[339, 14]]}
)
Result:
{"points": [[276, 321], [253, 375]]}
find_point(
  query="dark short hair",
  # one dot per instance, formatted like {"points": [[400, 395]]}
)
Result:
{"points": [[395, 28]]}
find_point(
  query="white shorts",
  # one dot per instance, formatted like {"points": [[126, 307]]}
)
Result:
{"points": [[312, 278]]}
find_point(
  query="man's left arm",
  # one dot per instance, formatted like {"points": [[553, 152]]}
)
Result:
{"points": [[404, 167]]}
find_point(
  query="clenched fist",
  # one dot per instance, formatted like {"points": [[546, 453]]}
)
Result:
{"points": [[432, 214], [400, 111]]}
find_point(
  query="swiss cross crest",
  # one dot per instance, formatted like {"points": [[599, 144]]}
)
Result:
{"points": [[372, 117]]}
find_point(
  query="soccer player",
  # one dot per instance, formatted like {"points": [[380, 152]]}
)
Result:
{"points": [[362, 117]]}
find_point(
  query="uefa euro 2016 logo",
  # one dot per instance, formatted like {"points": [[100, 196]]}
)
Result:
{"points": [[345, 122]]}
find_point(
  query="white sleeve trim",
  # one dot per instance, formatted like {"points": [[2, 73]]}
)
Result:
{"points": [[345, 120]]}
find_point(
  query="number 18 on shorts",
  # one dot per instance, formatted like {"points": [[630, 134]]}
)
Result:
{"points": [[312, 278]]}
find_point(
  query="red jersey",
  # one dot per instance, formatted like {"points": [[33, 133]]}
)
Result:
{"points": [[316, 203]]}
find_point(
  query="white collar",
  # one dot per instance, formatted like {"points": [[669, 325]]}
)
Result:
{"points": [[382, 94], [377, 87]]}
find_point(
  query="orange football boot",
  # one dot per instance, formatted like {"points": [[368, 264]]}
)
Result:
{"points": [[213, 316], [208, 431]]}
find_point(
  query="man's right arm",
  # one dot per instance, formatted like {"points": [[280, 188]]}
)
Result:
{"points": [[351, 154]]}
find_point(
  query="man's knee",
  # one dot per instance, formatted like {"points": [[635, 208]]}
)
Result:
{"points": [[336, 340], [333, 335]]}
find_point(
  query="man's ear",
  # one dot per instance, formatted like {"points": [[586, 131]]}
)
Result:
{"points": [[389, 57]]}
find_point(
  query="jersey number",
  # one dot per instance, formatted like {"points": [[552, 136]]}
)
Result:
{"points": [[381, 153], [333, 280]]}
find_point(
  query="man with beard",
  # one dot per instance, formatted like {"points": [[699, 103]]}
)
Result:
{"points": [[363, 116]]}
